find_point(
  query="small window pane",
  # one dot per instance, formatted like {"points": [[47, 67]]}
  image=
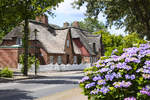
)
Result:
{"points": [[19, 41], [67, 43], [51, 59], [59, 60], [75, 59], [91, 59]]}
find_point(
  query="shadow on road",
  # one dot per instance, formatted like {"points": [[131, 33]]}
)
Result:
{"points": [[54, 80], [15, 94], [49, 82], [61, 77]]}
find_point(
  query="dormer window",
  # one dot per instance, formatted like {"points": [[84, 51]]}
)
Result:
{"points": [[19, 41], [67, 43]]}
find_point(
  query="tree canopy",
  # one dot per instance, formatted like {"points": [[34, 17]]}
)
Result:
{"points": [[92, 25], [133, 14], [13, 12]]}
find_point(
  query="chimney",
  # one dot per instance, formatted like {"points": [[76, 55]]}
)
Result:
{"points": [[42, 19], [66, 24], [76, 24]]}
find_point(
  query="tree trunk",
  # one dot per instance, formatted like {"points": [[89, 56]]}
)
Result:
{"points": [[148, 29], [26, 32]]}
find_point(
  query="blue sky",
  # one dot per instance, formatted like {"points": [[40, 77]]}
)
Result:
{"points": [[65, 13]]}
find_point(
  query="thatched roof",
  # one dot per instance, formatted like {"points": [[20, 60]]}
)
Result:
{"points": [[53, 37]]}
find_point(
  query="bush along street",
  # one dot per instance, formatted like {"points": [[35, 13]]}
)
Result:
{"points": [[119, 77], [6, 73]]}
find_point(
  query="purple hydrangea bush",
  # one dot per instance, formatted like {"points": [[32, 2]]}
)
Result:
{"points": [[124, 77]]}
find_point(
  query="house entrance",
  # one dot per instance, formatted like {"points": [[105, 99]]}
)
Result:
{"points": [[67, 59]]}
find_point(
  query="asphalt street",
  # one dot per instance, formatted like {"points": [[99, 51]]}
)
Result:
{"points": [[31, 89]]}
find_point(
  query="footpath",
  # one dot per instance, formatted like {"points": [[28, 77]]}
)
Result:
{"points": [[72, 94]]}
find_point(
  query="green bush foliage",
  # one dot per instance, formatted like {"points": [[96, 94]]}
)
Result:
{"points": [[31, 61], [6, 73], [111, 41]]}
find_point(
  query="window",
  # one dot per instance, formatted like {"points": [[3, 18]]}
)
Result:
{"points": [[51, 59], [91, 59], [95, 59], [59, 60], [94, 47], [67, 43], [67, 59], [75, 59], [19, 41]]}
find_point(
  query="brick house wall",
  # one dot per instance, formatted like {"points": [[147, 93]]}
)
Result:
{"points": [[9, 57], [9, 42], [68, 57], [69, 50], [83, 50], [39, 49]]}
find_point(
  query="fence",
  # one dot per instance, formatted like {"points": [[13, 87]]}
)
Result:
{"points": [[56, 67]]}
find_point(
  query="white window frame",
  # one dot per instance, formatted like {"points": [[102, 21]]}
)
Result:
{"points": [[59, 59], [51, 59], [75, 59], [68, 43]]}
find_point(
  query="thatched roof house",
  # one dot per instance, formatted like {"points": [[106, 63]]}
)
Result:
{"points": [[66, 44]]}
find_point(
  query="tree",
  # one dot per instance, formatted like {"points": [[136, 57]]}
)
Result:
{"points": [[92, 25], [7, 20], [133, 39], [133, 14], [111, 41], [25, 10]]}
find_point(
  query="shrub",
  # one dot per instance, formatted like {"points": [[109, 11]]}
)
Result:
{"points": [[31, 61], [6, 73], [124, 77]]}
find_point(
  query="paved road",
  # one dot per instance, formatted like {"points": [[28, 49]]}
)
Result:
{"points": [[36, 88]]}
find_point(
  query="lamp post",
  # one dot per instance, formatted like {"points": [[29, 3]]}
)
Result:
{"points": [[35, 43]]}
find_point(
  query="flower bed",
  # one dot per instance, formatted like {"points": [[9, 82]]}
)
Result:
{"points": [[124, 77]]}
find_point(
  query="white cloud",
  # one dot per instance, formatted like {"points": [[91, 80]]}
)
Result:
{"points": [[66, 8]]}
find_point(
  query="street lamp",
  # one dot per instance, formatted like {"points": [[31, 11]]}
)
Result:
{"points": [[35, 44]]}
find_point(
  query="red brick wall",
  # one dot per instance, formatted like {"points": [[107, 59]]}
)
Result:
{"points": [[9, 57], [8, 42], [43, 56], [69, 50], [83, 50]]}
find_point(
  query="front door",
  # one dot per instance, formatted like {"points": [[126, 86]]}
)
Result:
{"points": [[67, 59]]}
